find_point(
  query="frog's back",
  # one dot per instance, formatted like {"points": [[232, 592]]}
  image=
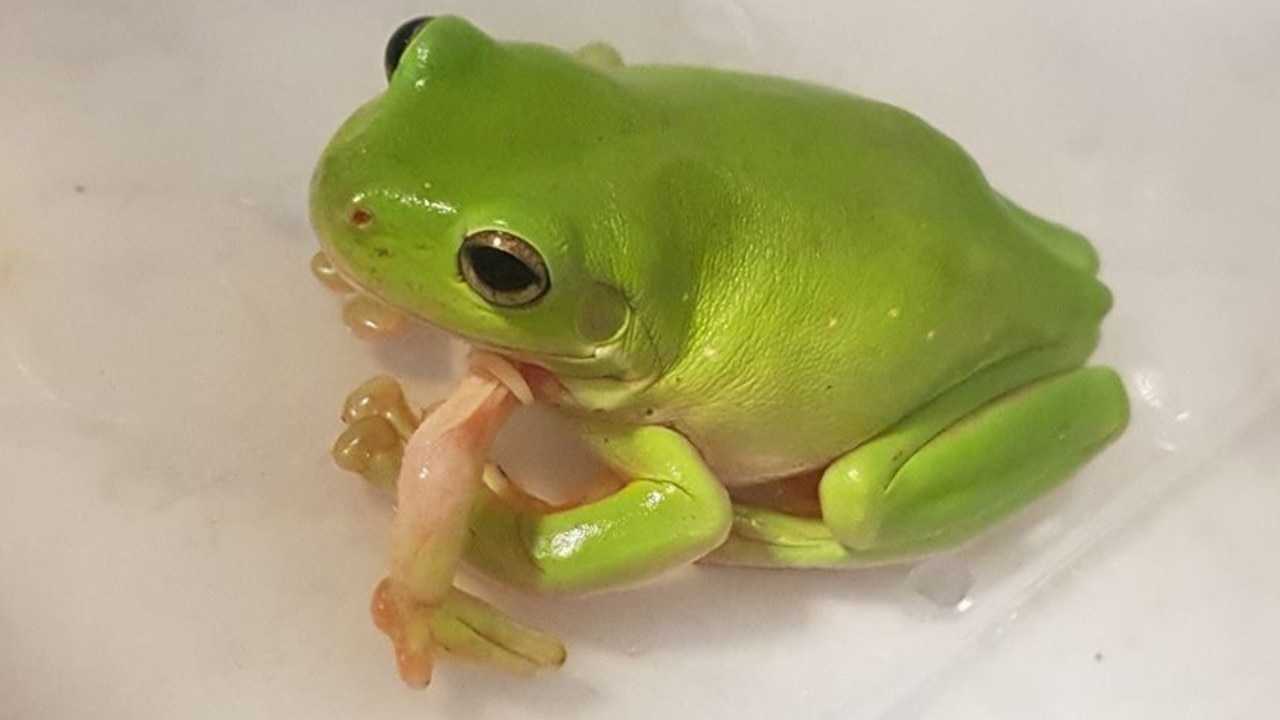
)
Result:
{"points": [[869, 268], [785, 135], [806, 145]]}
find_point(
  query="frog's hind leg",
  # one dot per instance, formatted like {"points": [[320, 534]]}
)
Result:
{"points": [[938, 478]]}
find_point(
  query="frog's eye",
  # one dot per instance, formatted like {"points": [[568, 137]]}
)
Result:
{"points": [[399, 42], [503, 269]]}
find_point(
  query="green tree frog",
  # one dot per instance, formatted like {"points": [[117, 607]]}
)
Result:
{"points": [[727, 282]]}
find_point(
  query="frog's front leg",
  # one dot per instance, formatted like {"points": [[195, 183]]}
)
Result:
{"points": [[379, 422], [670, 511], [940, 477]]}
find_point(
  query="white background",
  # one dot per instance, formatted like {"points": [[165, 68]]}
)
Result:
{"points": [[175, 543]]}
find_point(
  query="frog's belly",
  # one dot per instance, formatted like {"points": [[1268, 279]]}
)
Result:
{"points": [[738, 462]]}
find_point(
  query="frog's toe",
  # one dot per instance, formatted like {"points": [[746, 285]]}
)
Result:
{"points": [[468, 628], [366, 316], [371, 448], [370, 318], [324, 270], [762, 537], [379, 422], [383, 397], [408, 624], [462, 627]]}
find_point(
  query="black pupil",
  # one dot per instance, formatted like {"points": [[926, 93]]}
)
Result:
{"points": [[500, 270], [399, 41]]}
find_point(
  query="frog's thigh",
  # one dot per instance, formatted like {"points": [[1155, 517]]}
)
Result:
{"points": [[931, 483], [977, 470], [670, 511]]}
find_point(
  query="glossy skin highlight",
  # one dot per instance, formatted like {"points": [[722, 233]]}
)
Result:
{"points": [[750, 279]]}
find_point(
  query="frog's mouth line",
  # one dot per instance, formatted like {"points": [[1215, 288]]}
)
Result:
{"points": [[525, 356], [598, 355]]}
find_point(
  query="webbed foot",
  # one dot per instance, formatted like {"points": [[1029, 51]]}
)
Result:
{"points": [[461, 627]]}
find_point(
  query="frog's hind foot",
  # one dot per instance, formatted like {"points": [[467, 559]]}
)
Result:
{"points": [[461, 627], [764, 537]]}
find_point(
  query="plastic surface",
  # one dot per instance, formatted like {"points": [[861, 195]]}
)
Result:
{"points": [[174, 541]]}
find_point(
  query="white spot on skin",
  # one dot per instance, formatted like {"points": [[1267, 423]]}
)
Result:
{"points": [[831, 322], [930, 335], [709, 352], [895, 312]]}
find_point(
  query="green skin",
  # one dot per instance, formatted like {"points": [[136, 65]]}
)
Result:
{"points": [[750, 278]]}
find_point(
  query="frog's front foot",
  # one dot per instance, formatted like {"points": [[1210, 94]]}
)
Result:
{"points": [[379, 422], [366, 316], [460, 626]]}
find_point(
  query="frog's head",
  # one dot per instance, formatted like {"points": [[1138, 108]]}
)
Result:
{"points": [[513, 195]]}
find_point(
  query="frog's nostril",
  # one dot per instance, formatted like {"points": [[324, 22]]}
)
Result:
{"points": [[360, 217]]}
